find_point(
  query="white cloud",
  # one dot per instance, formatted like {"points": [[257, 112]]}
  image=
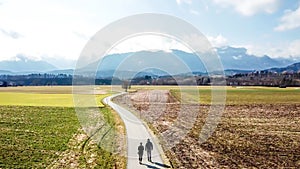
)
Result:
{"points": [[249, 7], [10, 33], [283, 50], [239, 57], [47, 29], [218, 41], [179, 2], [294, 48], [148, 42], [158, 42], [194, 12], [290, 20]]}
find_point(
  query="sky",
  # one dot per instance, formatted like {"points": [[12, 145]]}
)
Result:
{"points": [[59, 29]]}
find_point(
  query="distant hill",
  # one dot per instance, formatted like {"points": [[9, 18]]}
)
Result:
{"points": [[230, 72], [234, 60], [238, 58], [5, 72], [63, 71], [291, 68], [23, 64]]}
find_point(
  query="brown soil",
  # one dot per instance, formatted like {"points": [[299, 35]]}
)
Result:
{"points": [[254, 135]]}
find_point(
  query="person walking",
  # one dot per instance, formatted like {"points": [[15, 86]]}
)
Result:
{"points": [[141, 152], [149, 148]]}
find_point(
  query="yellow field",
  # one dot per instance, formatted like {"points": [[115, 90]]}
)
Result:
{"points": [[60, 96]]}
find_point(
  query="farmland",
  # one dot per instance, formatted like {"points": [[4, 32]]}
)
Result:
{"points": [[32, 136], [241, 95], [43, 96], [39, 128], [259, 127]]}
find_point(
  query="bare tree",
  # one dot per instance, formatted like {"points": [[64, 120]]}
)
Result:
{"points": [[126, 85]]}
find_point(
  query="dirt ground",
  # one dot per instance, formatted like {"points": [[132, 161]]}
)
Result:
{"points": [[247, 136]]}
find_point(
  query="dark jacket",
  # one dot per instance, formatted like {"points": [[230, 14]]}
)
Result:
{"points": [[149, 146], [140, 149]]}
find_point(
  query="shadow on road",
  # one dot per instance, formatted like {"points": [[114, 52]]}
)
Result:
{"points": [[149, 166], [162, 165], [156, 163]]}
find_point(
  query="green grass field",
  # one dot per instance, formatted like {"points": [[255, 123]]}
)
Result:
{"points": [[242, 95], [34, 136], [38, 125]]}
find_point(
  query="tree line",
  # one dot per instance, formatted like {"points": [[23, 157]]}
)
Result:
{"points": [[259, 78]]}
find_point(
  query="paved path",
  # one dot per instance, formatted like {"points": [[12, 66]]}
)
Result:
{"points": [[136, 133]]}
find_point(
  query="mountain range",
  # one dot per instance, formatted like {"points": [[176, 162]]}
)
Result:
{"points": [[23, 65], [291, 68], [233, 59]]}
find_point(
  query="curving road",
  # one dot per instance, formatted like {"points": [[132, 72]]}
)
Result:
{"points": [[136, 132]]}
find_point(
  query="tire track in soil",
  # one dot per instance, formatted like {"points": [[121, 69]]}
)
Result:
{"points": [[77, 149]]}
